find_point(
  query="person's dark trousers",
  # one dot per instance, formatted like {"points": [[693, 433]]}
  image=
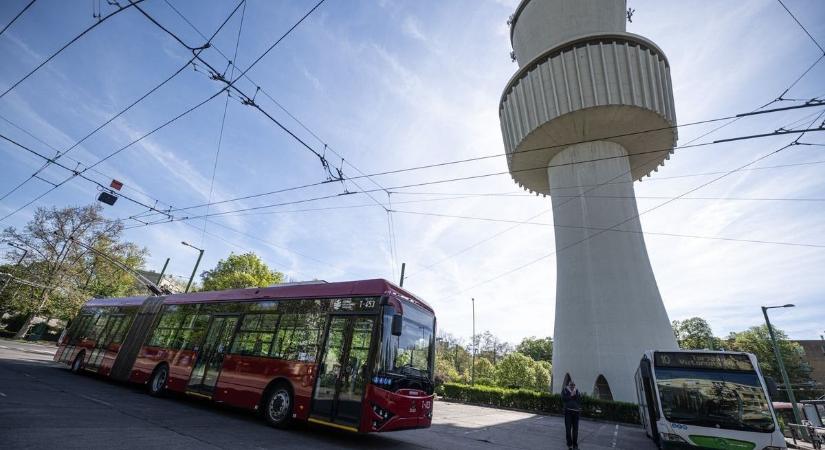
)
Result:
{"points": [[571, 427]]}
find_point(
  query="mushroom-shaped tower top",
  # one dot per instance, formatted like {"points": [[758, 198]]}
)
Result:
{"points": [[583, 78]]}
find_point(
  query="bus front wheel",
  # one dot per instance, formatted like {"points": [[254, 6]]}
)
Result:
{"points": [[278, 406], [157, 384], [77, 364]]}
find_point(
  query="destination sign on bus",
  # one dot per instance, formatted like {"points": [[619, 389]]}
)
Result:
{"points": [[716, 361]]}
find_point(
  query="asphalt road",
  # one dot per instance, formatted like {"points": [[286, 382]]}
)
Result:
{"points": [[43, 405]]}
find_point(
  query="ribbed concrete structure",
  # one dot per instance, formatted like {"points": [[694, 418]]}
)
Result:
{"points": [[589, 111]]}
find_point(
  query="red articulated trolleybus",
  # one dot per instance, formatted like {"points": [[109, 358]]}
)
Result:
{"points": [[356, 355]]}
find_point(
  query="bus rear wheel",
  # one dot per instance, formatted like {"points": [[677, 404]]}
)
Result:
{"points": [[278, 407], [157, 384]]}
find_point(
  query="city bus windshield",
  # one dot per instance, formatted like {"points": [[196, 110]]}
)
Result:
{"points": [[714, 398], [408, 354]]}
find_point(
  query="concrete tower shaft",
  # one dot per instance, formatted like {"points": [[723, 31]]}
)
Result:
{"points": [[576, 119]]}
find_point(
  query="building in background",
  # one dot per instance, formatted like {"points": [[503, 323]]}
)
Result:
{"points": [[815, 357], [589, 112]]}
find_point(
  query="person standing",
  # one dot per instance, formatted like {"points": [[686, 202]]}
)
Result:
{"points": [[572, 399]]}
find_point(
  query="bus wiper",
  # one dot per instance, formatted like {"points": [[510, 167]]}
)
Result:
{"points": [[408, 369]]}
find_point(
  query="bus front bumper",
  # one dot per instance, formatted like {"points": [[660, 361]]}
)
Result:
{"points": [[390, 411]]}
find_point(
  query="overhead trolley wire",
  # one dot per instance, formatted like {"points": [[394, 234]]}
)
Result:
{"points": [[223, 122], [60, 154], [75, 173], [523, 222], [639, 214], [447, 163], [16, 17], [247, 100], [324, 197], [195, 51], [802, 26], [72, 41]]}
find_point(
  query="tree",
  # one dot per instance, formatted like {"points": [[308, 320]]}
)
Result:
{"points": [[515, 371], [695, 334], [452, 359], [539, 349], [491, 347], [58, 261], [542, 371], [485, 372], [757, 340], [240, 271]]}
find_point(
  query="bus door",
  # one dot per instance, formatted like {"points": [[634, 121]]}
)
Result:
{"points": [[344, 370], [210, 355]]}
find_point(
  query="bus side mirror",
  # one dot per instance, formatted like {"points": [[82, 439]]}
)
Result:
{"points": [[396, 325]]}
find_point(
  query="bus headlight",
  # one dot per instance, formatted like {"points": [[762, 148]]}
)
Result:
{"points": [[670, 437]]}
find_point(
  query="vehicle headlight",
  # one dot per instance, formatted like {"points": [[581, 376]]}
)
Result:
{"points": [[670, 437]]}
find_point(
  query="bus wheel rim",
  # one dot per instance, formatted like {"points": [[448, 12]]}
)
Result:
{"points": [[279, 405]]}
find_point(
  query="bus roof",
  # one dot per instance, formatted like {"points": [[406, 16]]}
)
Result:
{"points": [[374, 287]]}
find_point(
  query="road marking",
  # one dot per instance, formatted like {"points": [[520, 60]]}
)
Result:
{"points": [[615, 435], [92, 399], [2, 394], [3, 346]]}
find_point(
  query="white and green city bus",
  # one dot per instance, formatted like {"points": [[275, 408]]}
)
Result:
{"points": [[706, 400]]}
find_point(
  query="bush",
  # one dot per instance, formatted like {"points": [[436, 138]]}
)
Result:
{"points": [[542, 402]]}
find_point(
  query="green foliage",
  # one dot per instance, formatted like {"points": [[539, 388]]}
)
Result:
{"points": [[541, 375], [485, 371], [452, 359], [542, 402], [757, 340], [540, 349], [515, 371], [695, 334], [57, 259], [240, 271]]}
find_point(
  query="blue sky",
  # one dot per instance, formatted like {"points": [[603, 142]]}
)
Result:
{"points": [[394, 84]]}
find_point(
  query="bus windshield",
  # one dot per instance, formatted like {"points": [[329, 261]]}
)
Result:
{"points": [[713, 398], [408, 354]]}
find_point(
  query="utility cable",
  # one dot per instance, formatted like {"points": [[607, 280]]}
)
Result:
{"points": [[718, 238], [196, 51], [223, 123], [75, 173], [447, 163], [100, 127], [15, 17], [72, 41], [78, 162], [639, 214], [803, 27], [265, 206]]}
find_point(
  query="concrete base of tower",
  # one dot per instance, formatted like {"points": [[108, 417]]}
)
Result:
{"points": [[608, 307]]}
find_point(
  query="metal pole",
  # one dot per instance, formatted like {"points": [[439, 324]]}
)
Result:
{"points": [[162, 271], [473, 361], [781, 364], [200, 255], [403, 267]]}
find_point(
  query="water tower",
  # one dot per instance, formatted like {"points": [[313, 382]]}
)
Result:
{"points": [[576, 120]]}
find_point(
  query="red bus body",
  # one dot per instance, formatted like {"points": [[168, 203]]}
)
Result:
{"points": [[242, 380]]}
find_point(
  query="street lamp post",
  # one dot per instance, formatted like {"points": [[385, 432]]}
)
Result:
{"points": [[473, 361], [197, 263], [780, 363]]}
